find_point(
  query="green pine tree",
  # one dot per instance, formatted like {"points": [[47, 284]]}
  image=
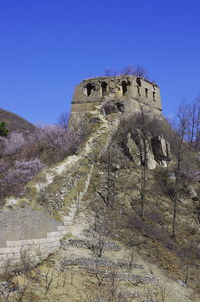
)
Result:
{"points": [[3, 129]]}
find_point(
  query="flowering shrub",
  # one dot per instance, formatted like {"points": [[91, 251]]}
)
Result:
{"points": [[23, 156], [14, 143], [56, 137], [17, 176], [27, 169]]}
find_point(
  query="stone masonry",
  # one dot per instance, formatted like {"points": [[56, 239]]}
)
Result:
{"points": [[26, 229], [26, 232], [128, 89]]}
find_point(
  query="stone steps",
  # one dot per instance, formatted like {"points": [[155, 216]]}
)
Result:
{"points": [[40, 248]]}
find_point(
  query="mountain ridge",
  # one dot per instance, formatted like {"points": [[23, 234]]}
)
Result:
{"points": [[16, 123]]}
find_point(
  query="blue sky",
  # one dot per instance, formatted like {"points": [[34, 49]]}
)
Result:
{"points": [[49, 46]]}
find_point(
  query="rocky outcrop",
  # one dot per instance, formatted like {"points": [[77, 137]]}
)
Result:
{"points": [[148, 150], [133, 150], [192, 193], [161, 150]]}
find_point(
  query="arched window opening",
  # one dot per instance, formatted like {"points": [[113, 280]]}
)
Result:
{"points": [[124, 87], [104, 88], [154, 95], [138, 89], [138, 81], [89, 88], [146, 92]]}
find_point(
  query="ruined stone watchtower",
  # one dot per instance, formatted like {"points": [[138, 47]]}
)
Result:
{"points": [[131, 90]]}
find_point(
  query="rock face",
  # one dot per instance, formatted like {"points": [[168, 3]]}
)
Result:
{"points": [[192, 193], [133, 150], [154, 150], [161, 150]]}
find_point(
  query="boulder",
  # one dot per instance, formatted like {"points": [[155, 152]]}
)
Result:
{"points": [[157, 149], [133, 150], [193, 194], [137, 145], [161, 150], [144, 145], [183, 200]]}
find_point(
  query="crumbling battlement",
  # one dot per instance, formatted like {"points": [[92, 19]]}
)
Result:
{"points": [[129, 89]]}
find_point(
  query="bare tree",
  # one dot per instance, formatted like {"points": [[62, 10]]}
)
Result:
{"points": [[157, 293], [113, 285], [109, 191], [174, 190], [190, 115], [173, 179], [49, 279], [63, 120], [142, 136], [21, 293], [109, 289], [130, 259], [136, 70], [98, 230]]}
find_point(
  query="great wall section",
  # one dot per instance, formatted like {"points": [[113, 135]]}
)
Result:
{"points": [[24, 226], [28, 232]]}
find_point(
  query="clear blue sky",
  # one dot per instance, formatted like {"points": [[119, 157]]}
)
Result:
{"points": [[48, 46]]}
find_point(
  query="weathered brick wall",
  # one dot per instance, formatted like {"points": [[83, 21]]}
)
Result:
{"points": [[27, 231], [123, 88]]}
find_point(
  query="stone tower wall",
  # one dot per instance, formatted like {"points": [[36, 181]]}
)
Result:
{"points": [[129, 89]]}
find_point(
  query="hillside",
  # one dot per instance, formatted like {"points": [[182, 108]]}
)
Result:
{"points": [[15, 122], [108, 252], [117, 220]]}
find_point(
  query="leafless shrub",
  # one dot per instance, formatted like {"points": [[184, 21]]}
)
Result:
{"points": [[7, 265], [113, 284], [130, 259], [99, 274], [63, 120], [98, 230], [64, 277], [58, 278], [20, 294], [48, 280], [96, 297], [157, 293], [5, 295], [108, 291], [71, 272], [163, 292], [26, 259], [136, 70]]}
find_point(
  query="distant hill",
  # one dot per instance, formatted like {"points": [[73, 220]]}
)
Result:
{"points": [[15, 122]]}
